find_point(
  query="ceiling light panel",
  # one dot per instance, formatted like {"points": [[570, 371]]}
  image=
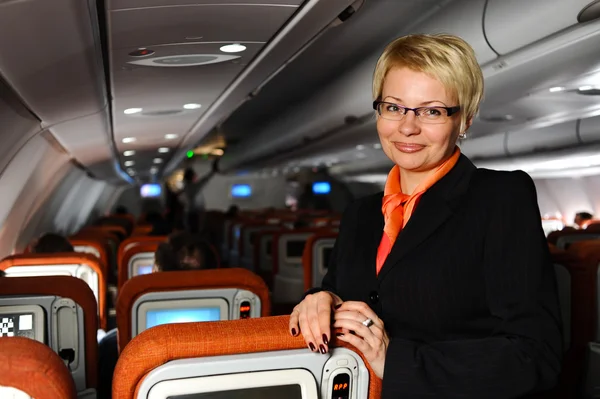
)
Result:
{"points": [[161, 27]]}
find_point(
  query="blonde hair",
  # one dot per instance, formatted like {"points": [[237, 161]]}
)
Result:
{"points": [[447, 58]]}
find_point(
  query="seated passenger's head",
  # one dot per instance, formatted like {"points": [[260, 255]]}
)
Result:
{"points": [[51, 243], [121, 210], [232, 212], [439, 78], [581, 217], [192, 252], [165, 259]]}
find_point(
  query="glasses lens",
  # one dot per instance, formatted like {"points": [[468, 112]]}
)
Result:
{"points": [[391, 111], [433, 114]]}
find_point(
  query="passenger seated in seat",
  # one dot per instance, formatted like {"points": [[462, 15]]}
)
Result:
{"points": [[581, 218], [51, 243], [121, 210], [184, 251]]}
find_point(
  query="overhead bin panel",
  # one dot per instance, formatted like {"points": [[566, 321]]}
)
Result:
{"points": [[490, 146], [458, 19], [512, 24], [543, 139], [589, 130]]}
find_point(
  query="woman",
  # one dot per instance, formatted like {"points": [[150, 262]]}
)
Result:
{"points": [[452, 258]]}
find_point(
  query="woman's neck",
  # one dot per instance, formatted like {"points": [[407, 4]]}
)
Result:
{"points": [[409, 180]]}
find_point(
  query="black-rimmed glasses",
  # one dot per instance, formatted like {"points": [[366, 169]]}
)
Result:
{"points": [[395, 112]]}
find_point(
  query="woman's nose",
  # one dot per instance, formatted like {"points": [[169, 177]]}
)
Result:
{"points": [[409, 125]]}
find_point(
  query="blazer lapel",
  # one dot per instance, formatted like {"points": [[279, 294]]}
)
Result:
{"points": [[434, 208]]}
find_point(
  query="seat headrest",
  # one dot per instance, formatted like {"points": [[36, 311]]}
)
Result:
{"points": [[181, 281], [35, 369], [161, 344]]}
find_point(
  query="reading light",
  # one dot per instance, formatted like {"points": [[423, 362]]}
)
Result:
{"points": [[129, 153], [218, 152], [377, 146], [170, 136], [130, 111], [128, 140], [131, 171], [129, 163], [192, 106], [233, 48], [163, 150], [154, 170], [556, 89], [360, 147], [157, 160], [585, 88]]}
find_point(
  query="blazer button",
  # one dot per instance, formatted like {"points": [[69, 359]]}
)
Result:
{"points": [[374, 297]]}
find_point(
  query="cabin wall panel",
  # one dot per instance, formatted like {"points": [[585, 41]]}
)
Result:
{"points": [[25, 185], [266, 192]]}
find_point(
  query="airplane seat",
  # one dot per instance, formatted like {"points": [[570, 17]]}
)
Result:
{"points": [[248, 235], [118, 231], [136, 260], [92, 247], [80, 265], [132, 242], [593, 226], [315, 258], [111, 242], [564, 238], [141, 230], [59, 311], [288, 273], [249, 358], [263, 255], [115, 220], [198, 295], [29, 369], [583, 264]]}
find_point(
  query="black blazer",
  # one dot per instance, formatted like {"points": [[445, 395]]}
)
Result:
{"points": [[468, 293]]}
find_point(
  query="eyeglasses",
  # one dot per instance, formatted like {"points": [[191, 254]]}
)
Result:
{"points": [[395, 112]]}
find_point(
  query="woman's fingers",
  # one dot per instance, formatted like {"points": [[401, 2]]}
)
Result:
{"points": [[362, 308], [293, 325]]}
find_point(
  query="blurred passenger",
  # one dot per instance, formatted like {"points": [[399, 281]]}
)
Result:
{"points": [[581, 218], [184, 251], [192, 199], [232, 212], [51, 243], [121, 210]]}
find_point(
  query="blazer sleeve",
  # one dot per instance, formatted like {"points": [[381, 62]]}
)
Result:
{"points": [[523, 355]]}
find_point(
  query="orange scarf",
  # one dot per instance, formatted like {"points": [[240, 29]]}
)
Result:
{"points": [[398, 207]]}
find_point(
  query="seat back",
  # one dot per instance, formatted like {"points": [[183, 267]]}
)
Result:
{"points": [[59, 311], [248, 235], [31, 368], [136, 260], [263, 255], [239, 354], [315, 259], [93, 247], [288, 273], [83, 266], [213, 294], [135, 241]]}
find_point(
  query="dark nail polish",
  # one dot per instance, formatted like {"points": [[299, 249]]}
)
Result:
{"points": [[322, 349], [312, 347], [339, 335], [337, 306], [293, 332], [325, 340]]}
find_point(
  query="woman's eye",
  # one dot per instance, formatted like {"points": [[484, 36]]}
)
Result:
{"points": [[432, 112], [392, 108]]}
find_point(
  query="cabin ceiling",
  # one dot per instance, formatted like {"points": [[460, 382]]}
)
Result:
{"points": [[97, 80]]}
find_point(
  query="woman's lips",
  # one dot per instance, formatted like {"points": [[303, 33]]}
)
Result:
{"points": [[408, 148]]}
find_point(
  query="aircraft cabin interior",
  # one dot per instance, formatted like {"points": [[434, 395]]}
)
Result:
{"points": [[110, 110]]}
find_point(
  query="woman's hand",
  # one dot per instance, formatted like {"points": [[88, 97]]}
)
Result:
{"points": [[312, 318], [372, 341]]}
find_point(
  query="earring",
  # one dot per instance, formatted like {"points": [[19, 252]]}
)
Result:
{"points": [[462, 136]]}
